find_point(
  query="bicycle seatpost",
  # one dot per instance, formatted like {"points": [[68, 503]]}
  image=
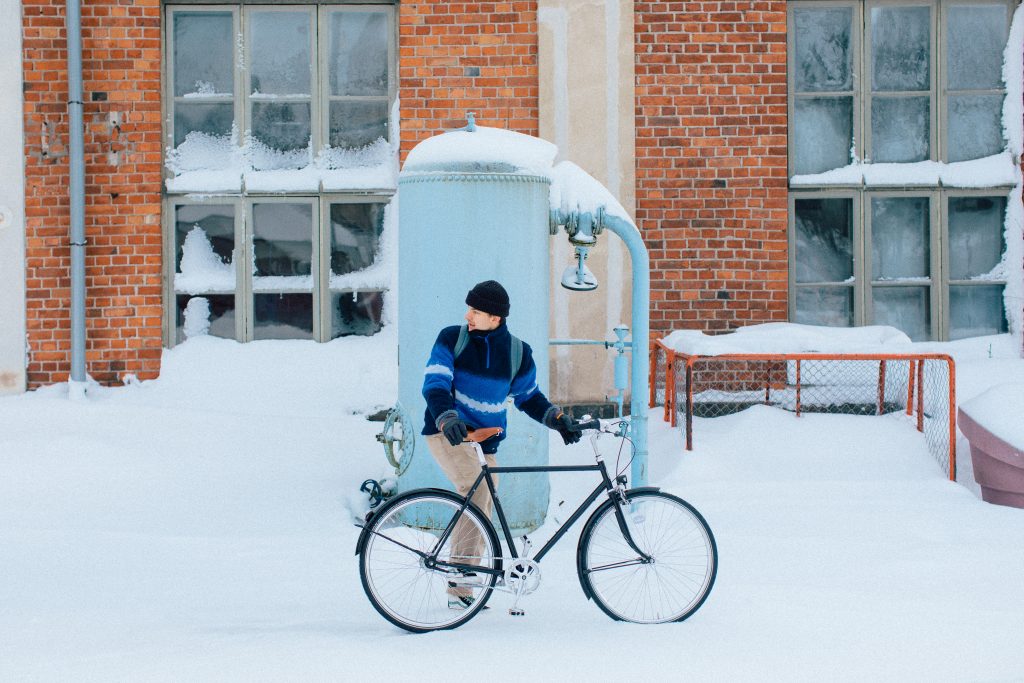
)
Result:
{"points": [[477, 436]]}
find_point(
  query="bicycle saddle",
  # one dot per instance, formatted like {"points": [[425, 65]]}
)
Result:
{"points": [[482, 434]]}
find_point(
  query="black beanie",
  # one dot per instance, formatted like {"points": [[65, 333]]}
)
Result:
{"points": [[490, 297]]}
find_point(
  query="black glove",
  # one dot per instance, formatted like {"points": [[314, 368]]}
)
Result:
{"points": [[566, 426], [452, 426]]}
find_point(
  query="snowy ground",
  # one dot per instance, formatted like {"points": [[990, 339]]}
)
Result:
{"points": [[197, 528]]}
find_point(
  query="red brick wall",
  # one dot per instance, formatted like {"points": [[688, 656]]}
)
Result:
{"points": [[711, 160], [121, 59], [456, 57]]}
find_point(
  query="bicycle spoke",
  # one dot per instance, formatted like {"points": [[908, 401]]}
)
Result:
{"points": [[670, 587], [393, 568]]}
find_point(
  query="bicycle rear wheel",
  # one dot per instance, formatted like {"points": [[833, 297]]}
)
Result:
{"points": [[671, 587], [393, 565]]}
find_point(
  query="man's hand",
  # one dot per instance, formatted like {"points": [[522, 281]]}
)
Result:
{"points": [[566, 427], [451, 425]]}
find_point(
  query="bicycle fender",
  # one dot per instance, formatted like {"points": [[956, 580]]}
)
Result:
{"points": [[365, 534], [583, 534]]}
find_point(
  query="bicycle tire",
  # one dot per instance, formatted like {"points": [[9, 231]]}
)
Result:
{"points": [[394, 578], [674, 534]]}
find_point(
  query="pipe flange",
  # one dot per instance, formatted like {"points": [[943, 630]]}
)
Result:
{"points": [[398, 438]]}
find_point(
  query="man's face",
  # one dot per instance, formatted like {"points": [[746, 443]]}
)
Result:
{"points": [[478, 320]]}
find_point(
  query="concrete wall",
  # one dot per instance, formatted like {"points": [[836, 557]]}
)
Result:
{"points": [[585, 57], [12, 204]]}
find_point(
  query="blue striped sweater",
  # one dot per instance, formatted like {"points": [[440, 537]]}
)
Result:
{"points": [[476, 383]]}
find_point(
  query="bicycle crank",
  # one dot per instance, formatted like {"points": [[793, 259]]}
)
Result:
{"points": [[522, 577]]}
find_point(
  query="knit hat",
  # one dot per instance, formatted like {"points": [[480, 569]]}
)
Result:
{"points": [[490, 297]]}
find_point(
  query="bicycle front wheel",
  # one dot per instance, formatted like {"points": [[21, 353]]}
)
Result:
{"points": [[395, 565], [677, 580]]}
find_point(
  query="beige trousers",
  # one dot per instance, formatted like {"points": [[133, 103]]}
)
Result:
{"points": [[460, 465]]}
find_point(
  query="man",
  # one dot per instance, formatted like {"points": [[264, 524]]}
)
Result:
{"points": [[466, 387]]}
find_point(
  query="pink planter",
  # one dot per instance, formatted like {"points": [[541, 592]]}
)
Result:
{"points": [[998, 466]]}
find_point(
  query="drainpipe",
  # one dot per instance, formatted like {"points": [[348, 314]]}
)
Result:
{"points": [[77, 383]]}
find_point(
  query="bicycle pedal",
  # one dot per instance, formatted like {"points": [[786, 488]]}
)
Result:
{"points": [[516, 612]]}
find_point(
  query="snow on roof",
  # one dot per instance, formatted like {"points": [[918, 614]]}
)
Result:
{"points": [[791, 338], [989, 409], [483, 149]]}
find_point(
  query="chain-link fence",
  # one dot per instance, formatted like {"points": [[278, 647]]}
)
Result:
{"points": [[921, 386]]}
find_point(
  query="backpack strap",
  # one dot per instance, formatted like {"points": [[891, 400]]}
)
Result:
{"points": [[515, 356], [463, 339], [515, 350]]}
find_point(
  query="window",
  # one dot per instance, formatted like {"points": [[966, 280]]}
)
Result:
{"points": [[288, 291], [280, 168], [876, 82]]}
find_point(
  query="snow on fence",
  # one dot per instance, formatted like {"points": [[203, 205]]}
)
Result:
{"points": [[920, 386]]}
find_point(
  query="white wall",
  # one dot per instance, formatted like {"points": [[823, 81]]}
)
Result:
{"points": [[12, 203]]}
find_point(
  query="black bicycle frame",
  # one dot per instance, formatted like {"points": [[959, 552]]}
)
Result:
{"points": [[606, 485]]}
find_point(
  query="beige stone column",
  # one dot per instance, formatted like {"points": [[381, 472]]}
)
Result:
{"points": [[587, 108], [12, 204]]}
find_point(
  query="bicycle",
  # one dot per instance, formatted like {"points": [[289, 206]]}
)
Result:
{"points": [[643, 556]]}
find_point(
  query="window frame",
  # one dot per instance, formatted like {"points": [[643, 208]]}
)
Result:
{"points": [[861, 194], [170, 247], [857, 249], [242, 201], [944, 68], [856, 29], [244, 249], [952, 193], [935, 251], [867, 65], [169, 100], [315, 132], [323, 55]]}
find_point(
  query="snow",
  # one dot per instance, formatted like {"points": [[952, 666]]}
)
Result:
{"points": [[573, 190], [209, 163], [791, 338], [1013, 77], [202, 271], [197, 318], [206, 89], [992, 171], [198, 527], [484, 149], [282, 283], [1013, 293], [989, 411], [481, 149]]}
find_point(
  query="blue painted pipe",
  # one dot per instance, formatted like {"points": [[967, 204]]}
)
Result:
{"points": [[641, 324], [585, 226]]}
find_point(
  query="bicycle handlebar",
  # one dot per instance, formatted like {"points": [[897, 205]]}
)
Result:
{"points": [[589, 424]]}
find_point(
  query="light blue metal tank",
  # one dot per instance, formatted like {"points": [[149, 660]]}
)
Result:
{"points": [[472, 209]]}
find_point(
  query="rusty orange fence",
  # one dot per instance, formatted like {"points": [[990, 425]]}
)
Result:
{"points": [[921, 386]]}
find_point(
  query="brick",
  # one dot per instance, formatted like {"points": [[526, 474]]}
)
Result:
{"points": [[120, 53], [710, 142]]}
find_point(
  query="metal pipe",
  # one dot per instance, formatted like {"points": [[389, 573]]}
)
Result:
{"points": [[579, 342], [641, 303], [77, 196]]}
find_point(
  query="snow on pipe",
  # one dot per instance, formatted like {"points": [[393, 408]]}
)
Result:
{"points": [[77, 383], [591, 224]]}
